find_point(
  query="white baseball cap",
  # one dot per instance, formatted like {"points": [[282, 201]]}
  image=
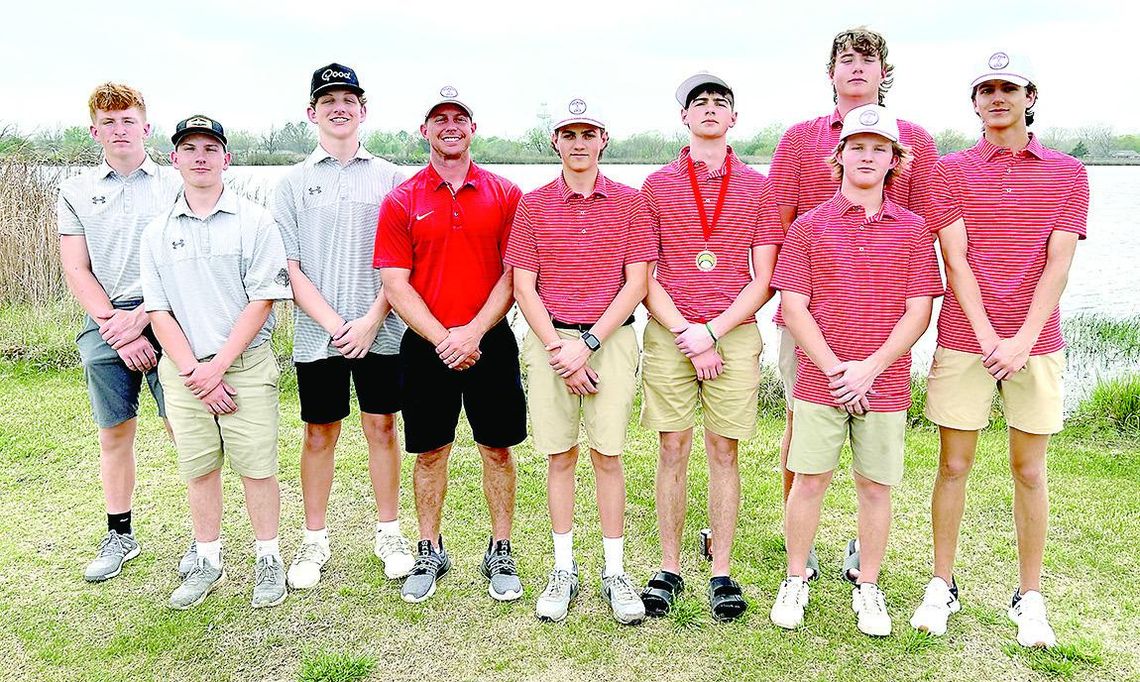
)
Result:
{"points": [[695, 81], [870, 118], [1006, 66], [578, 112], [447, 95]]}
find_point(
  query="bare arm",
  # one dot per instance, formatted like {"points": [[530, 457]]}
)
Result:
{"points": [[805, 330], [218, 400], [581, 382], [787, 217], [753, 296], [410, 305], [961, 279], [460, 349], [309, 299], [660, 304]]}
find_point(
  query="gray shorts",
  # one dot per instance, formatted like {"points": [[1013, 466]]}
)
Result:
{"points": [[112, 387]]}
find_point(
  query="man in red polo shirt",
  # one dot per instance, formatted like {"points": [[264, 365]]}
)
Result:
{"points": [[580, 249], [440, 244], [1008, 214], [717, 232], [801, 180], [858, 276]]}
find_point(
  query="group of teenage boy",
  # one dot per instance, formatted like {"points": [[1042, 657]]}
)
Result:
{"points": [[401, 288]]}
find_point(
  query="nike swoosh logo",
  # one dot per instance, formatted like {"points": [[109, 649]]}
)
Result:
{"points": [[421, 217]]}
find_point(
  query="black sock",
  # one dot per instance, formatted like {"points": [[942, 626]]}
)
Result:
{"points": [[120, 523]]}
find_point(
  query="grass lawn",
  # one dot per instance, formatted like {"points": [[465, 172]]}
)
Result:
{"points": [[354, 625]]}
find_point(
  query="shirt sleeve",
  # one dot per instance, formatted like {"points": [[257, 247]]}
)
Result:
{"points": [[1075, 210], [924, 156], [768, 231], [514, 195], [154, 294], [945, 205], [652, 213], [923, 276], [640, 246], [522, 248], [283, 206], [793, 267], [67, 221], [784, 173], [266, 276], [393, 236]]}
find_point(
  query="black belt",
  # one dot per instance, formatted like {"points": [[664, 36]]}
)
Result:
{"points": [[583, 326]]}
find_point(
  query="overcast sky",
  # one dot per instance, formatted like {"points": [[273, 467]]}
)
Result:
{"points": [[248, 64]]}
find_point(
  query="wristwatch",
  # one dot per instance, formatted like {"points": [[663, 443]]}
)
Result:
{"points": [[591, 341]]}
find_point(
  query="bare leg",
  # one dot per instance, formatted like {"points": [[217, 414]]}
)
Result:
{"points": [[499, 478], [610, 484], [956, 458], [263, 503], [785, 446], [383, 462], [205, 496], [874, 526], [430, 482], [560, 489], [801, 518], [317, 471], [724, 497], [117, 465], [1030, 503], [672, 494]]}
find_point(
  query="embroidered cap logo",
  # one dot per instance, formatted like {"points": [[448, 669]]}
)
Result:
{"points": [[200, 122], [449, 92], [869, 117], [999, 60], [577, 107], [329, 73]]}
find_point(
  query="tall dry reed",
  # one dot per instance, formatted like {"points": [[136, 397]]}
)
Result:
{"points": [[29, 244]]}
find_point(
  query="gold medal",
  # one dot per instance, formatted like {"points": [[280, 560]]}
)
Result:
{"points": [[706, 260]]}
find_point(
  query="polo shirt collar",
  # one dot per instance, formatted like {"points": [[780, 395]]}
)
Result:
{"points": [[729, 158], [601, 188], [889, 209], [227, 203], [836, 119], [988, 150], [148, 166], [435, 180], [319, 154]]}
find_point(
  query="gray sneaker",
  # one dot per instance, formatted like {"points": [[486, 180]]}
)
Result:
{"points": [[561, 588], [499, 568], [201, 581], [430, 566], [186, 563], [627, 606], [114, 551], [268, 582]]}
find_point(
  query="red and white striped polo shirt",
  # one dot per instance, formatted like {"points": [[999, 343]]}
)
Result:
{"points": [[579, 245], [801, 176], [748, 218], [1010, 203], [858, 272]]}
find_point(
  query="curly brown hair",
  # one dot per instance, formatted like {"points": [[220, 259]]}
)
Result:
{"points": [[115, 97], [866, 42]]}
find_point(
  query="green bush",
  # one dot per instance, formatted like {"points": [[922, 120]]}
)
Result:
{"points": [[1117, 403]]}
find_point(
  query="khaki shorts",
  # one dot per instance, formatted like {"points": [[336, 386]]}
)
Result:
{"points": [[960, 393], [248, 437], [670, 388], [787, 363], [556, 413], [877, 440]]}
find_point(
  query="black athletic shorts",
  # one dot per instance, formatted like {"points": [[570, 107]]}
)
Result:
{"points": [[490, 391], [323, 386]]}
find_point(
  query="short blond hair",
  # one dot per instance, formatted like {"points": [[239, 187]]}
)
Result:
{"points": [[901, 152], [115, 97]]}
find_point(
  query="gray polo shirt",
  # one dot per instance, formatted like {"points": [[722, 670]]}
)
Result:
{"points": [[328, 215], [206, 270], [110, 211]]}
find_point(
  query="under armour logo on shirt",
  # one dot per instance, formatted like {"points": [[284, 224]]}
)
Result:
{"points": [[314, 190], [178, 244], [98, 200]]}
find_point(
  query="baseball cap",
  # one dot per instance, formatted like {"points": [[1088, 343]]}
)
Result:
{"points": [[447, 95], [1006, 66], [870, 118], [577, 112], [695, 81], [198, 124], [334, 76]]}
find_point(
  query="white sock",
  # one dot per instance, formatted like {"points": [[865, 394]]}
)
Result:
{"points": [[614, 549], [319, 536], [564, 551], [388, 527], [270, 547], [212, 551]]}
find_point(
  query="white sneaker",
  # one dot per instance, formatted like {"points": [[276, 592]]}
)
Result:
{"points": [[788, 611], [396, 553], [1028, 611], [305, 571], [938, 602], [870, 603]]}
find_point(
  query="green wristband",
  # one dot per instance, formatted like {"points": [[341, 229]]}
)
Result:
{"points": [[711, 333]]}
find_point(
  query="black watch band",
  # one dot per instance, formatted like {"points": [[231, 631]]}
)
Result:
{"points": [[591, 341]]}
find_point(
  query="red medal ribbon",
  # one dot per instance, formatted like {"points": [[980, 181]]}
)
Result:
{"points": [[705, 226]]}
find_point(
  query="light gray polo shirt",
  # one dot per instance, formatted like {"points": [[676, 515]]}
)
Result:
{"points": [[110, 211], [205, 270], [328, 215]]}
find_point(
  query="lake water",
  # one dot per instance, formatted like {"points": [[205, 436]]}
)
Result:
{"points": [[1103, 279]]}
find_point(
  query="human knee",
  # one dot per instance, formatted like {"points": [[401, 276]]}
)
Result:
{"points": [[674, 450], [321, 437], [379, 428], [499, 458], [722, 452], [955, 467], [811, 485], [1029, 474], [872, 493]]}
